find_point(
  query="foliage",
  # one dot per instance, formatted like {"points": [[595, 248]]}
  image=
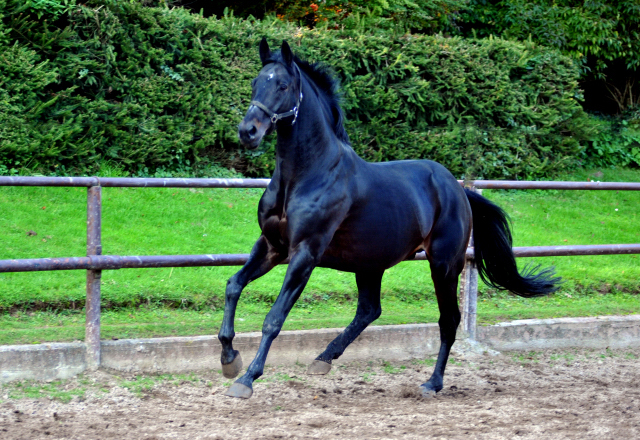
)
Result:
{"points": [[605, 30], [615, 141], [419, 15], [158, 88], [110, 85], [604, 36], [484, 108], [53, 8]]}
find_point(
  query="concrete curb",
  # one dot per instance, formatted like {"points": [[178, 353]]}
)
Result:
{"points": [[42, 361], [537, 334], [392, 342]]}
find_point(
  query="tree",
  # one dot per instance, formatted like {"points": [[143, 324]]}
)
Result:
{"points": [[603, 36]]}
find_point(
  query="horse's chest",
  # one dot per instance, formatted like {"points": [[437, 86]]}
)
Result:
{"points": [[285, 219], [273, 222]]}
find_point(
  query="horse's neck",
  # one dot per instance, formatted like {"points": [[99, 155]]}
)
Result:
{"points": [[310, 145]]}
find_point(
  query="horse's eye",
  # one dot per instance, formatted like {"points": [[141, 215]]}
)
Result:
{"points": [[283, 86]]}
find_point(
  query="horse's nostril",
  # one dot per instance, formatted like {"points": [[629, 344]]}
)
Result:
{"points": [[253, 131]]}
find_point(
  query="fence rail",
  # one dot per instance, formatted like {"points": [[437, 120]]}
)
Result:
{"points": [[114, 262], [94, 263], [132, 182]]}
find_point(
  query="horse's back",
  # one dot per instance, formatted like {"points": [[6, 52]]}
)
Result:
{"points": [[426, 185], [427, 175], [393, 213]]}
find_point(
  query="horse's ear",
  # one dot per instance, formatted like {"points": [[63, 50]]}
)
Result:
{"points": [[287, 55], [265, 53]]}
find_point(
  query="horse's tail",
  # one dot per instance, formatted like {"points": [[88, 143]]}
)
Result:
{"points": [[494, 257]]}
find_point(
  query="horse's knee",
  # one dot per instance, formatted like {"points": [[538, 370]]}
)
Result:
{"points": [[456, 317], [271, 326], [233, 290], [440, 268]]}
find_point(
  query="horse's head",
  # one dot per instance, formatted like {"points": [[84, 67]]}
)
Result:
{"points": [[276, 95]]}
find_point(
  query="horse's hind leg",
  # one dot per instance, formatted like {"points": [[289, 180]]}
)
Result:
{"points": [[444, 272], [262, 259], [368, 311]]}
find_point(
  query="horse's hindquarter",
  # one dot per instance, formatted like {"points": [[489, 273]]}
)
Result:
{"points": [[389, 220]]}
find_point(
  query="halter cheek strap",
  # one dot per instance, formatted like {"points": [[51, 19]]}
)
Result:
{"points": [[275, 117]]}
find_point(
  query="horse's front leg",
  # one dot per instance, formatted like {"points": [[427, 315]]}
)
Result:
{"points": [[303, 260], [263, 258]]}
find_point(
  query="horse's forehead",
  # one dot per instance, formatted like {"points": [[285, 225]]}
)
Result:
{"points": [[272, 71]]}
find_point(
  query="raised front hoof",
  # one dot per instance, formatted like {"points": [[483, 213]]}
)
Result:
{"points": [[239, 390], [319, 367], [232, 369]]}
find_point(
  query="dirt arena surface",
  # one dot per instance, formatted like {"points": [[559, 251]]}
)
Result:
{"points": [[569, 394]]}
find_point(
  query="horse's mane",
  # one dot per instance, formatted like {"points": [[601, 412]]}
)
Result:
{"points": [[324, 81]]}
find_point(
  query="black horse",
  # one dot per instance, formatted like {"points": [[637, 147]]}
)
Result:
{"points": [[327, 207]]}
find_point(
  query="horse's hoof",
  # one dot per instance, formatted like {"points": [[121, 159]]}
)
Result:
{"points": [[232, 369], [239, 390], [319, 367], [427, 393]]}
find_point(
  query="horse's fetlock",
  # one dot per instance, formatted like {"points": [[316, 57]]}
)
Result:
{"points": [[226, 338]]}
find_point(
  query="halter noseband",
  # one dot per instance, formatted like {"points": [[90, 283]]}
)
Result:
{"points": [[275, 117]]}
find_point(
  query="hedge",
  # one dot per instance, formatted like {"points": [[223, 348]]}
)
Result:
{"points": [[142, 87]]}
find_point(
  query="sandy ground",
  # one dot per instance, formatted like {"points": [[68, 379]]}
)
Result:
{"points": [[574, 394]]}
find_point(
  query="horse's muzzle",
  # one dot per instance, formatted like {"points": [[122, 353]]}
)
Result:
{"points": [[251, 132]]}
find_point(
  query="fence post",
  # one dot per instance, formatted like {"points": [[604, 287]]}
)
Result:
{"points": [[469, 292], [94, 247]]}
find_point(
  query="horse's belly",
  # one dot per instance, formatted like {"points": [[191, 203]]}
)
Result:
{"points": [[368, 248]]}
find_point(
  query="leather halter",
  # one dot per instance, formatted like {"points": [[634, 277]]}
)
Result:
{"points": [[275, 117]]}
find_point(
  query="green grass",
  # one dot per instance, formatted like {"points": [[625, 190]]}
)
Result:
{"points": [[65, 390], [43, 326], [140, 384], [390, 369], [47, 306], [56, 390]]}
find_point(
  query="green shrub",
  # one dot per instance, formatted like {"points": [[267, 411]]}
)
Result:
{"points": [[485, 108], [424, 16], [158, 88], [604, 30], [615, 141], [603, 36]]}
